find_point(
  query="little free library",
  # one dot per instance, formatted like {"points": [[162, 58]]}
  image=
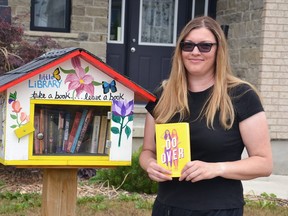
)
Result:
{"points": [[67, 108]]}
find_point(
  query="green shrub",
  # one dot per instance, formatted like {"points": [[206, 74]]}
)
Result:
{"points": [[131, 178]]}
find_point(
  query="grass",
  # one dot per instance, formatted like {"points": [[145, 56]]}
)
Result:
{"points": [[17, 204]]}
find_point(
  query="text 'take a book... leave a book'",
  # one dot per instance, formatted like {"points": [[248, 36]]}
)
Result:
{"points": [[173, 146]]}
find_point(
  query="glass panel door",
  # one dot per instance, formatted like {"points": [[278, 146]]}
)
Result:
{"points": [[157, 23]]}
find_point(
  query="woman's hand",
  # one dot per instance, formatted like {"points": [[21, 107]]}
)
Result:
{"points": [[198, 170], [158, 173]]}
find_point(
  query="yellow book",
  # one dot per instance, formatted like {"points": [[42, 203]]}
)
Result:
{"points": [[173, 146]]}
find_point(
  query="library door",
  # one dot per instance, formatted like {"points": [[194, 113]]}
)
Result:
{"points": [[142, 50]]}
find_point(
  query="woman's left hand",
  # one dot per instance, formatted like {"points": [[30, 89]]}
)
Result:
{"points": [[198, 170]]}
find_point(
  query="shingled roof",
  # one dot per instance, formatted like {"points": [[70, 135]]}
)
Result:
{"points": [[55, 57]]}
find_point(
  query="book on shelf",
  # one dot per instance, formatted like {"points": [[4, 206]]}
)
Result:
{"points": [[102, 134], [66, 131], [36, 132], [87, 120], [93, 147], [73, 130], [173, 146], [78, 131], [46, 122], [60, 131], [41, 130], [108, 137], [51, 134]]}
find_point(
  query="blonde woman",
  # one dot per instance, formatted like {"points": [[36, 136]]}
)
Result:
{"points": [[225, 115]]}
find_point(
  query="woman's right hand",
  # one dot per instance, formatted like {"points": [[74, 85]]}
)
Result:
{"points": [[158, 173]]}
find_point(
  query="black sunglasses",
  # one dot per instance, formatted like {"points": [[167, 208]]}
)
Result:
{"points": [[202, 47]]}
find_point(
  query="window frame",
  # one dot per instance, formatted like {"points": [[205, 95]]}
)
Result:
{"points": [[33, 27]]}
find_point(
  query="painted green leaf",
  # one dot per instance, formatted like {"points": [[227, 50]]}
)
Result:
{"points": [[87, 69], [128, 131], [67, 71], [115, 130], [130, 118], [96, 83], [116, 119], [13, 116], [13, 126]]}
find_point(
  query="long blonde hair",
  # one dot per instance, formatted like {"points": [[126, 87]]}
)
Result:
{"points": [[175, 89]]}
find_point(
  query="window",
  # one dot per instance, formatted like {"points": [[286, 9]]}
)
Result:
{"points": [[157, 22], [199, 8], [50, 15], [116, 21]]}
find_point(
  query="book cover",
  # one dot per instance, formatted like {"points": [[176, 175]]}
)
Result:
{"points": [[78, 131], [84, 129], [102, 134], [93, 147], [66, 132], [73, 130], [173, 146]]}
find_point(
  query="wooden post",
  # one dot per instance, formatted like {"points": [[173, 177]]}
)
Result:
{"points": [[59, 193]]}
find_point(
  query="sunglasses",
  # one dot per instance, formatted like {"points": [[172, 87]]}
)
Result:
{"points": [[202, 47]]}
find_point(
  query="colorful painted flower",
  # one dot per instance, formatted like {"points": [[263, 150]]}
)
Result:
{"points": [[79, 81], [20, 118], [121, 110], [24, 117], [16, 106]]}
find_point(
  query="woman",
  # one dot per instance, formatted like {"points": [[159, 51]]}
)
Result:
{"points": [[225, 115]]}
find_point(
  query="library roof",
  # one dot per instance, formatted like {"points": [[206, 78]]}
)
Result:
{"points": [[55, 57]]}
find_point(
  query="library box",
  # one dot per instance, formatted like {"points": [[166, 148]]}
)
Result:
{"points": [[67, 108]]}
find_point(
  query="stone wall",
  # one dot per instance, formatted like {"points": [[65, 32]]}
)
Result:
{"points": [[89, 25], [258, 46], [244, 36], [274, 66]]}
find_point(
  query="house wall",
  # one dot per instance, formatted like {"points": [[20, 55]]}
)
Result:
{"points": [[258, 48], [244, 37], [89, 25], [258, 45]]}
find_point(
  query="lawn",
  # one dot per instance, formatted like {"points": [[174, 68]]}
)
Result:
{"points": [[17, 204]]}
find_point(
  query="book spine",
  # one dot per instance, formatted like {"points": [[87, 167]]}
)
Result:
{"points": [[41, 130], [60, 131], [37, 130], [93, 148], [108, 137], [84, 129], [73, 130], [102, 135], [50, 133], [66, 132], [78, 131], [45, 131]]}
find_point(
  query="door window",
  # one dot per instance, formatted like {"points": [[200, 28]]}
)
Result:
{"points": [[116, 21], [157, 23], [199, 8]]}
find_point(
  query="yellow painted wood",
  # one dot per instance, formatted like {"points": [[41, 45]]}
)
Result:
{"points": [[59, 193], [24, 130]]}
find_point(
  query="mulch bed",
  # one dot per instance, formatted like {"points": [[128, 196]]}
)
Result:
{"points": [[30, 181]]}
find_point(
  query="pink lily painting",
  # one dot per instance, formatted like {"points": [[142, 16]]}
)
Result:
{"points": [[78, 79]]}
